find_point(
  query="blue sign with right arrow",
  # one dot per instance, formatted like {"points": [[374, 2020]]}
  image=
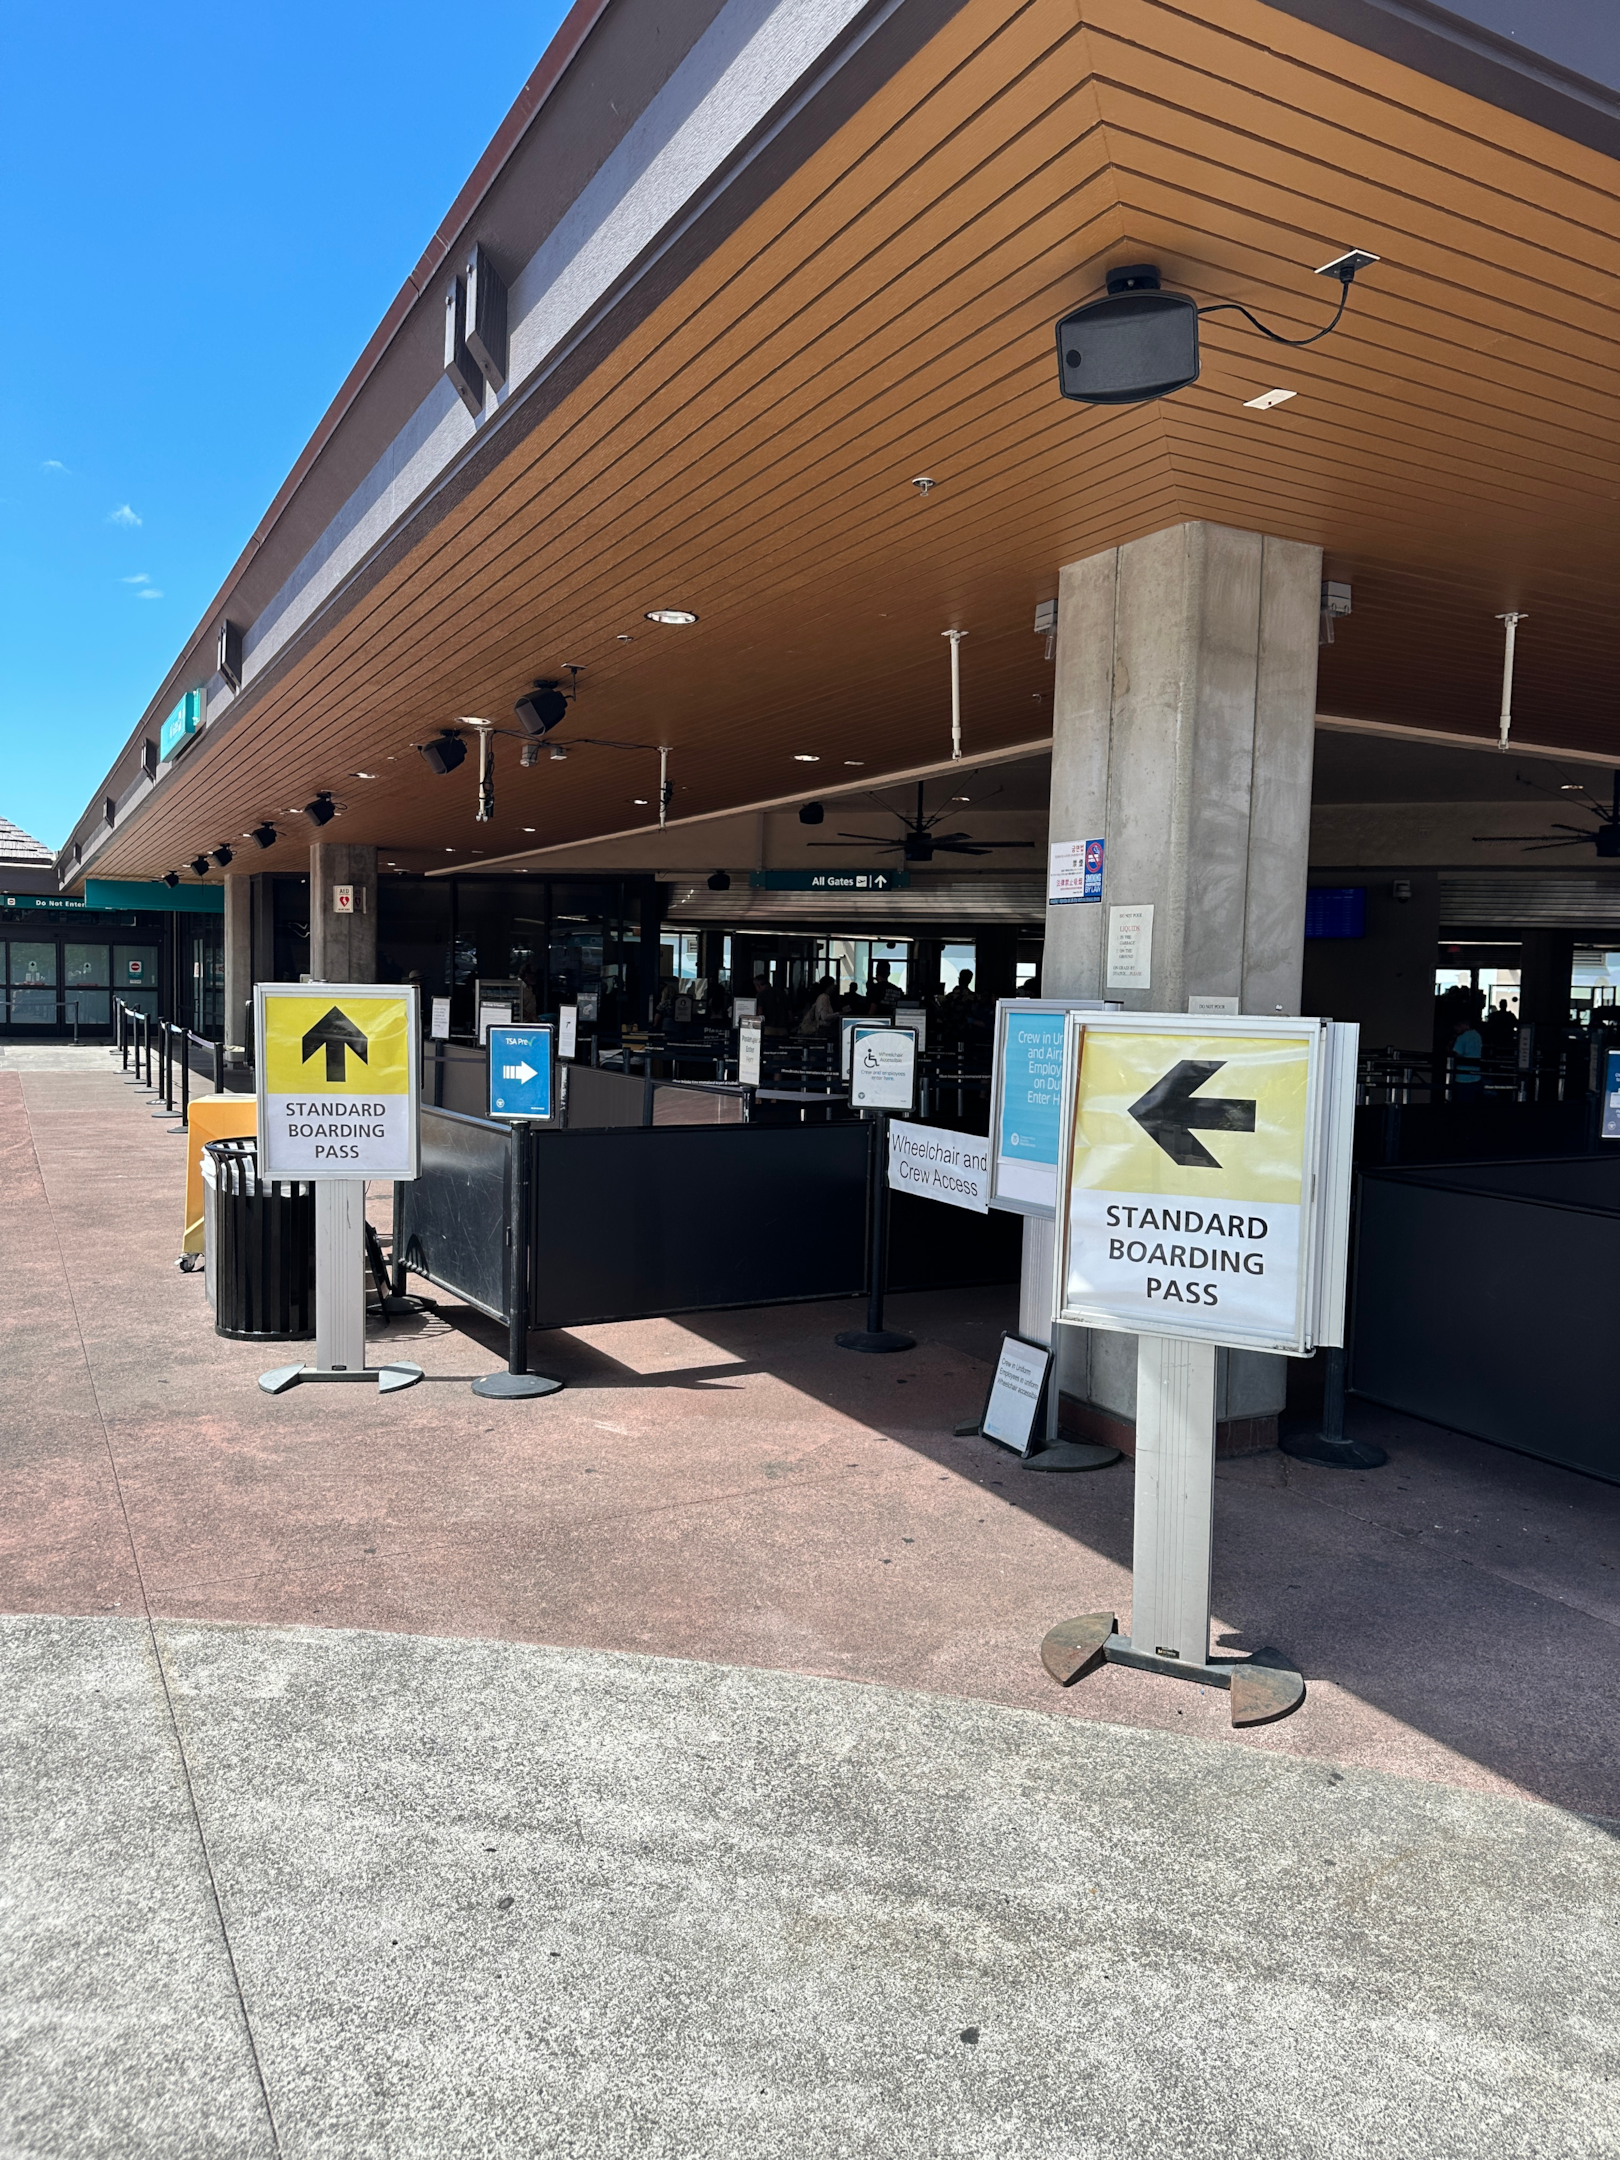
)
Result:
{"points": [[520, 1072]]}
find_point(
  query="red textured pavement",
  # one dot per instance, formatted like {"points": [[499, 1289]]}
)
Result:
{"points": [[731, 1486]]}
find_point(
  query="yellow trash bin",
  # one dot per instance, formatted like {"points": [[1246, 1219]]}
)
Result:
{"points": [[211, 1117]]}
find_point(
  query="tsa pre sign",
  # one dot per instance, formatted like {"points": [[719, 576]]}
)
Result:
{"points": [[1189, 1182], [337, 1090]]}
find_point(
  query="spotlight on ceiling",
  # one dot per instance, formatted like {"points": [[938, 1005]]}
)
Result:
{"points": [[529, 754], [675, 615], [198, 866], [445, 752], [171, 878], [321, 810], [811, 813], [719, 882], [263, 836], [224, 855], [538, 713]]}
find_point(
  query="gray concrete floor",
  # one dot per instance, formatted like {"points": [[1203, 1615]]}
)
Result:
{"points": [[324, 1892]]}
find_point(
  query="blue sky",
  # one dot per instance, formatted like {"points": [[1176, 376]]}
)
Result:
{"points": [[210, 207]]}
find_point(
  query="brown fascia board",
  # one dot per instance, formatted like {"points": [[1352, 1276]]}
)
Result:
{"points": [[571, 35]]}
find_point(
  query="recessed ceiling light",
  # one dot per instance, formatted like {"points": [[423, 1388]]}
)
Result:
{"points": [[624, 638], [1268, 398], [639, 802], [529, 828], [449, 851], [855, 761], [961, 798], [363, 776], [671, 615], [807, 757]]}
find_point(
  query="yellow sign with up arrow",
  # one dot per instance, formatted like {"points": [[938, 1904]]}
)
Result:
{"points": [[337, 1080]]}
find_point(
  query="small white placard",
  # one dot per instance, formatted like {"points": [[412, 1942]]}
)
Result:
{"points": [[882, 1068], [343, 899], [1212, 1005], [743, 1008], [1015, 1393], [1130, 948], [567, 1030], [914, 1017], [440, 1029], [750, 1037], [940, 1165], [492, 1016]]}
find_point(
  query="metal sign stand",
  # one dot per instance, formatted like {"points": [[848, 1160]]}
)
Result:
{"points": [[517, 1383], [340, 1298], [875, 1336], [1170, 1560]]}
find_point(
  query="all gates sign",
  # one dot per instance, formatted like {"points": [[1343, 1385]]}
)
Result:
{"points": [[336, 1080], [1193, 1170]]}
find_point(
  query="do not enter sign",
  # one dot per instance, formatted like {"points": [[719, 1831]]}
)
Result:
{"points": [[1190, 1153]]}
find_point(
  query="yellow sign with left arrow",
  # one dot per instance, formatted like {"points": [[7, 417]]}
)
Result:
{"points": [[337, 1080]]}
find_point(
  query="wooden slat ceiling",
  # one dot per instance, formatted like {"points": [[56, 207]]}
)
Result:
{"points": [[749, 450]]}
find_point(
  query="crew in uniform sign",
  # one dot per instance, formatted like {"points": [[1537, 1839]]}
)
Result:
{"points": [[335, 1088], [1186, 1202]]}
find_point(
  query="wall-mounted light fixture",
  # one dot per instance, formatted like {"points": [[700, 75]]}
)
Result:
{"points": [[485, 321], [228, 656], [459, 364]]}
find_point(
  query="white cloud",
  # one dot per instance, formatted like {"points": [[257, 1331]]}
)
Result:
{"points": [[149, 592], [53, 464], [123, 515], [140, 578]]}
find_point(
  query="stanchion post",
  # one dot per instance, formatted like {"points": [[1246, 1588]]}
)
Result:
{"points": [[875, 1336]]}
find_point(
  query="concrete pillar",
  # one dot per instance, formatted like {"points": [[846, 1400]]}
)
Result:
{"points": [[1546, 964], [238, 964], [1183, 721], [342, 943]]}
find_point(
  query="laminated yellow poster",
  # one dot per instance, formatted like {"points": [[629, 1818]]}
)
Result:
{"points": [[337, 1095], [1186, 1202]]}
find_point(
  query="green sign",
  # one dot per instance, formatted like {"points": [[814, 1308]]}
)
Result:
{"points": [[181, 724], [829, 881], [40, 900], [137, 893]]}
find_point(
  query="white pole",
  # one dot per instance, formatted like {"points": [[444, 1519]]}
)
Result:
{"points": [[340, 1275], [1505, 721], [663, 787], [956, 637], [1175, 1497]]}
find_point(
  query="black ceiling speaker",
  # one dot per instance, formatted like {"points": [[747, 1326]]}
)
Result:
{"points": [[719, 881], [198, 866], [539, 712], [811, 813], [263, 836], [1139, 343], [224, 855], [444, 753], [171, 878], [322, 810]]}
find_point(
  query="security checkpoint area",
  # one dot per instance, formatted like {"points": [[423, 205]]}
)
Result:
{"points": [[836, 1325]]}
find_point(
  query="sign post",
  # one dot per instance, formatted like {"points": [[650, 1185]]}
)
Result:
{"points": [[337, 1104], [522, 1094], [1204, 1177], [883, 1077]]}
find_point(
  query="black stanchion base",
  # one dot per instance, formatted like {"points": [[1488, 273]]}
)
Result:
{"points": [[516, 1386], [885, 1339], [1073, 1455], [1333, 1454]]}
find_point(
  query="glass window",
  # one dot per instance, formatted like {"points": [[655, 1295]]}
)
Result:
{"points": [[135, 967], [33, 965], [93, 1007], [84, 964]]}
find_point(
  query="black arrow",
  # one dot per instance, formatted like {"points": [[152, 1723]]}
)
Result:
{"points": [[1168, 1113], [335, 1032]]}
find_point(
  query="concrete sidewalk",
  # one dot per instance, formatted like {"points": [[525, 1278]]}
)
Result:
{"points": [[327, 1664]]}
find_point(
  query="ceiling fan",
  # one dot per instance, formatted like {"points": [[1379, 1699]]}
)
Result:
{"points": [[917, 841], [1604, 836]]}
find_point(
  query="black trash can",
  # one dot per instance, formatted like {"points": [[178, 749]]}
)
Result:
{"points": [[264, 1249]]}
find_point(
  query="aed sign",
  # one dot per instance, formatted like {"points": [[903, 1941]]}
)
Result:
{"points": [[1189, 1153], [337, 1082]]}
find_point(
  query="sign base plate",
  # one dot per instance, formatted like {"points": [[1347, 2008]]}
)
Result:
{"points": [[1073, 1455], [516, 1386], [1333, 1454], [1262, 1687], [389, 1378]]}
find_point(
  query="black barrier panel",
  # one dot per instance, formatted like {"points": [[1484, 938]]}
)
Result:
{"points": [[935, 1247], [451, 1220], [669, 1219], [1488, 1311], [1449, 1132]]}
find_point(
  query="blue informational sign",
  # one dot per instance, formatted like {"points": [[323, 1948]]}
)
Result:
{"points": [[1611, 1096], [520, 1072], [1031, 1101]]}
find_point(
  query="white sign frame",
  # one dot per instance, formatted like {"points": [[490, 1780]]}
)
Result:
{"points": [[847, 1024], [1036, 1355], [948, 1165], [567, 1031], [439, 1031], [398, 1171], [750, 1044], [881, 1090], [1008, 1010], [1319, 1245]]}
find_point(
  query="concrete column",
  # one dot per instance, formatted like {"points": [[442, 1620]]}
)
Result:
{"points": [[238, 964], [1183, 721], [1546, 964], [342, 946]]}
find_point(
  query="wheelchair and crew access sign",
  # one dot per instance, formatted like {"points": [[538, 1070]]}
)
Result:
{"points": [[1191, 1161], [337, 1080]]}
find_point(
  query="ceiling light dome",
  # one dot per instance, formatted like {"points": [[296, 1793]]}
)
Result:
{"points": [[671, 615]]}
